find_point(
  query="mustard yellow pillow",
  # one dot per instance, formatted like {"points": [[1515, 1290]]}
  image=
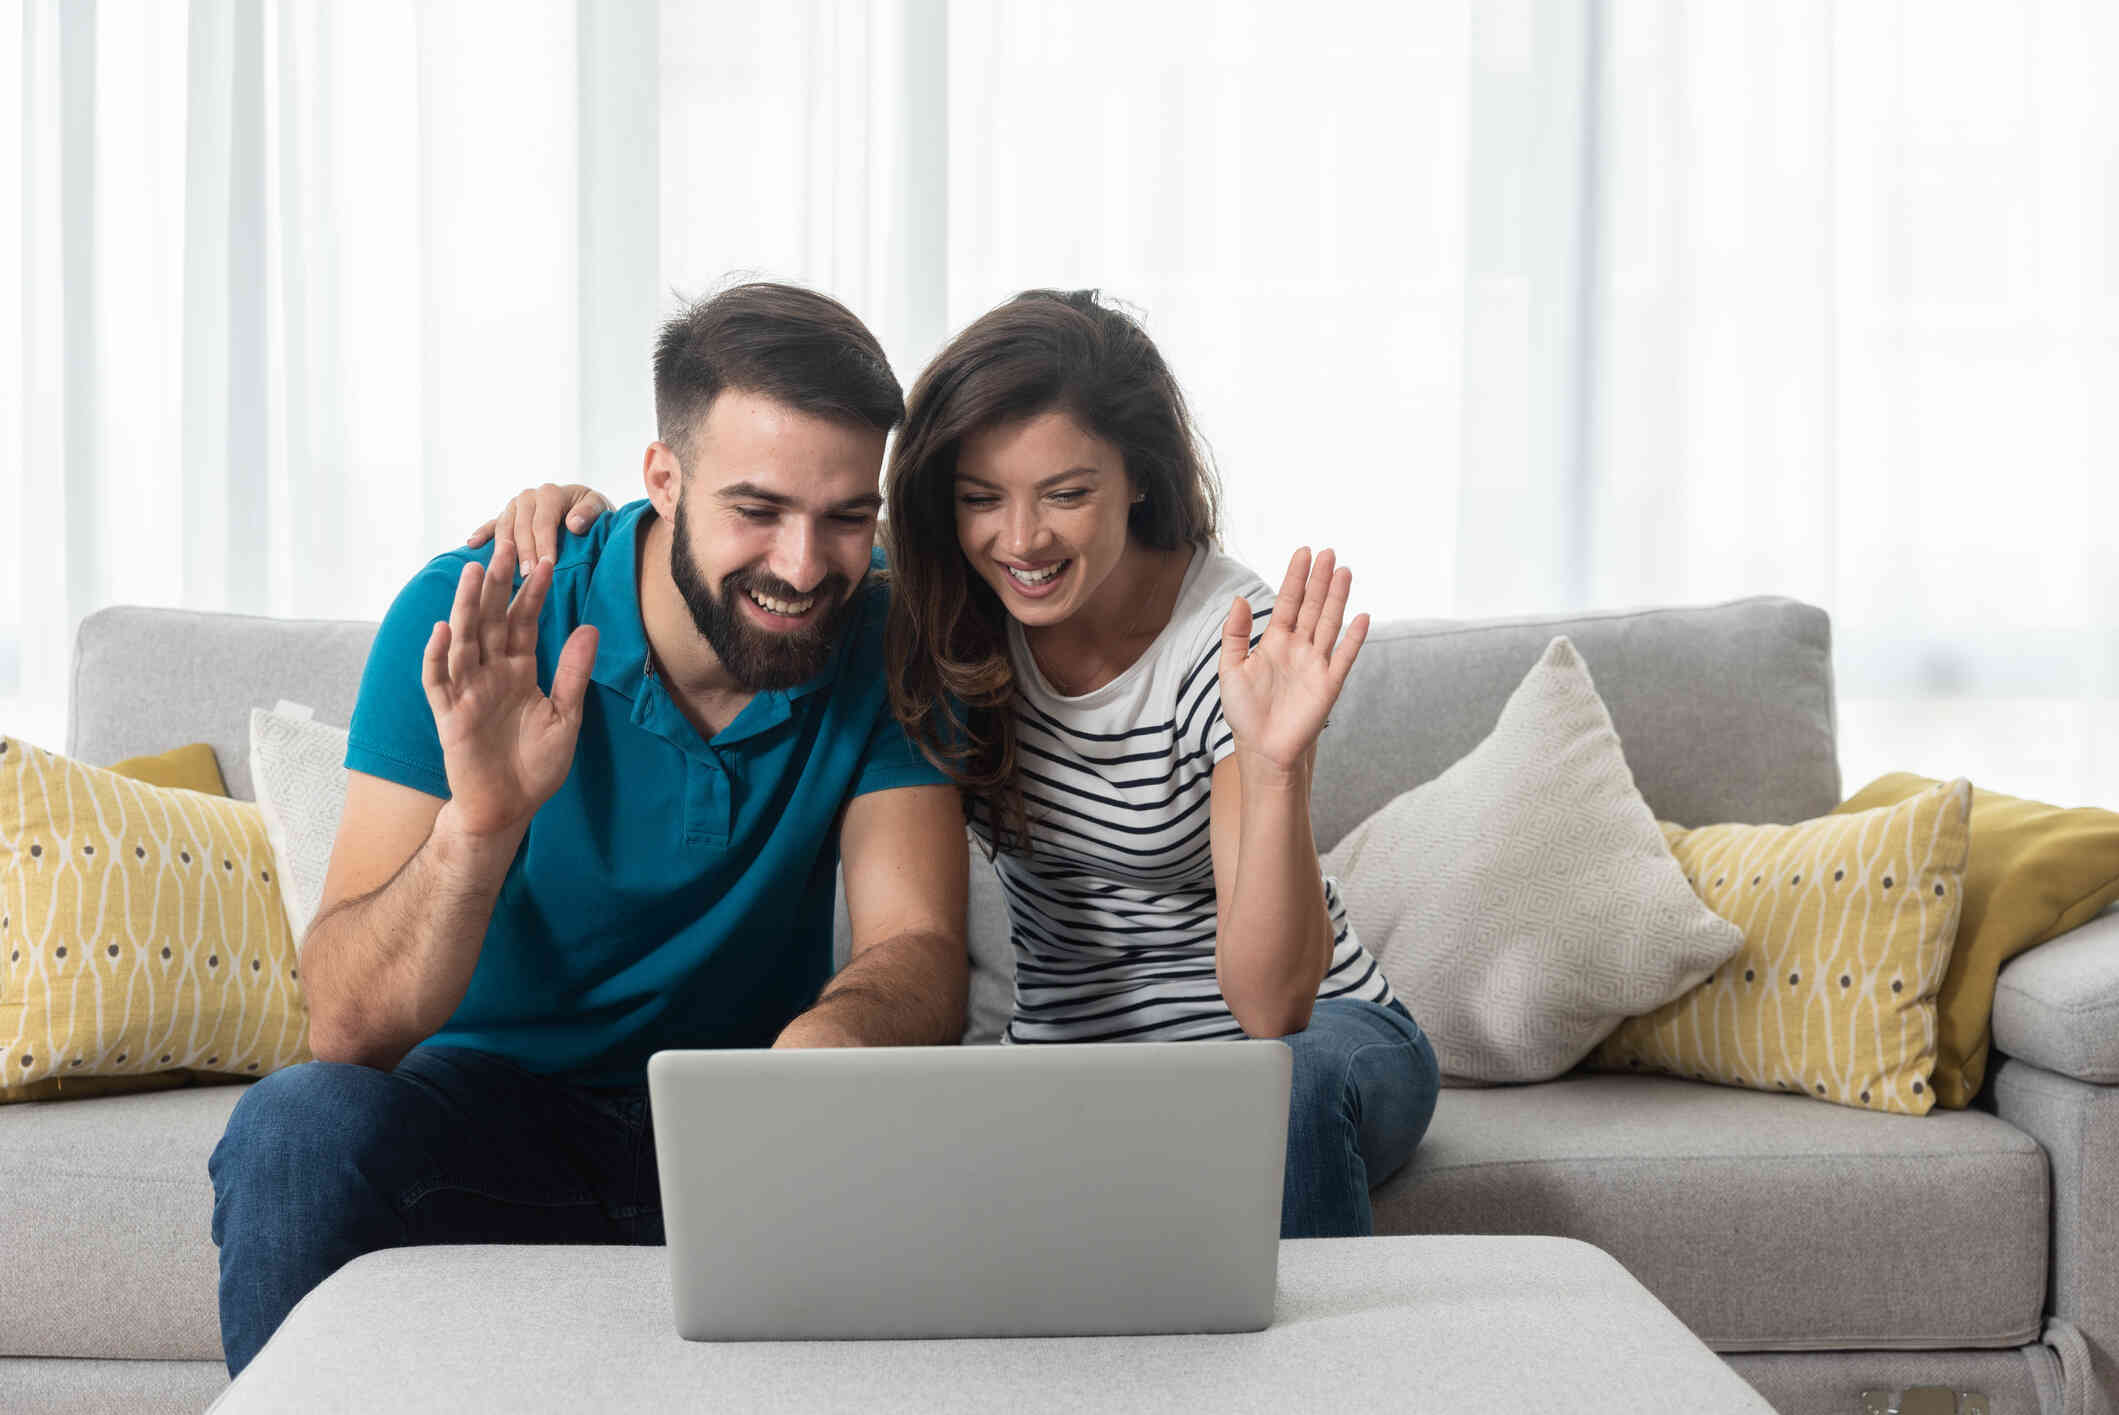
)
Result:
{"points": [[191, 768], [2035, 872], [140, 934], [1848, 924]]}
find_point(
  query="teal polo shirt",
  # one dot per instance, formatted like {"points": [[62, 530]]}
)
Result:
{"points": [[675, 892]]}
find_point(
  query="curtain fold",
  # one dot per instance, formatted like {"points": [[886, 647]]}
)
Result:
{"points": [[1523, 305]]}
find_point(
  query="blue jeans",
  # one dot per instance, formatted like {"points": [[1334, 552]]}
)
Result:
{"points": [[324, 1162], [1365, 1086]]}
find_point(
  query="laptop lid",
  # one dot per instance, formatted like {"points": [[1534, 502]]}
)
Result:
{"points": [[972, 1191]]}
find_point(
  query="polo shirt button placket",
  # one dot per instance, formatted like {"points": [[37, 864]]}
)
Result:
{"points": [[706, 802]]}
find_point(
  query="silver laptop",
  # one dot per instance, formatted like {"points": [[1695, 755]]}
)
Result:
{"points": [[972, 1191]]}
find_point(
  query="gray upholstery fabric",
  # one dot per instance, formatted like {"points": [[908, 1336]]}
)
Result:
{"points": [[2024, 1382], [2057, 1006], [63, 1387], [1766, 1222], [1725, 712], [146, 680], [2078, 1124], [105, 1226], [1361, 1324]]}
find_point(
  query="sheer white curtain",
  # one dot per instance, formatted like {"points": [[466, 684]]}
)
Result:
{"points": [[1523, 304]]}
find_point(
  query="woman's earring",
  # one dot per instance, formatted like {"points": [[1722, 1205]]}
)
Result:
{"points": [[1139, 496]]}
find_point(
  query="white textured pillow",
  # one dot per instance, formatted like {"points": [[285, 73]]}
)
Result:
{"points": [[298, 766], [1523, 903]]}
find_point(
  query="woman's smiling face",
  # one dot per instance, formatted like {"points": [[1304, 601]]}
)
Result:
{"points": [[1041, 511]]}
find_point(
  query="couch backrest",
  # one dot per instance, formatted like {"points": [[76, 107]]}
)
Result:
{"points": [[146, 680], [1725, 711]]}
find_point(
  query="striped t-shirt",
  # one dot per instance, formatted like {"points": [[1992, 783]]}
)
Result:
{"points": [[1112, 913]]}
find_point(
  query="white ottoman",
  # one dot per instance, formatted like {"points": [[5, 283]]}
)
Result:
{"points": [[1433, 1323]]}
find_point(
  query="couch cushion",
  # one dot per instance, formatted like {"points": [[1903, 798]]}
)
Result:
{"points": [[1766, 1222], [1725, 711], [147, 679], [105, 1222]]}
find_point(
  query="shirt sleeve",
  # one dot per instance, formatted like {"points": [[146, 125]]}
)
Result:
{"points": [[392, 735], [891, 760]]}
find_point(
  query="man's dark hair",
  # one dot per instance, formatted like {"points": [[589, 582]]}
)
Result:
{"points": [[791, 345]]}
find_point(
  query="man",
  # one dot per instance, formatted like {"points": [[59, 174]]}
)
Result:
{"points": [[601, 817]]}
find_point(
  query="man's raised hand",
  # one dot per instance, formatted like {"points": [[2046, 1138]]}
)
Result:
{"points": [[505, 745]]}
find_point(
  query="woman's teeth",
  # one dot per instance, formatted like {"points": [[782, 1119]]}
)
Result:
{"points": [[1036, 577], [792, 608]]}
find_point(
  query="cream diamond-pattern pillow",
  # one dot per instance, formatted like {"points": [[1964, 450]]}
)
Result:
{"points": [[1523, 903], [299, 768]]}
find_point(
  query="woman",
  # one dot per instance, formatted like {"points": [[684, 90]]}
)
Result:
{"points": [[1132, 717]]}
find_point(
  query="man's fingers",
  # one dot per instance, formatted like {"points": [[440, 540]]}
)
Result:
{"points": [[570, 680], [1343, 656], [464, 653], [527, 605], [434, 670]]}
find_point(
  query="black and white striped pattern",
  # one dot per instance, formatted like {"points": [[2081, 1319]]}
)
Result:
{"points": [[1113, 912]]}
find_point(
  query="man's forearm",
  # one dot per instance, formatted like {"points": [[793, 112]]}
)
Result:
{"points": [[383, 971], [909, 990]]}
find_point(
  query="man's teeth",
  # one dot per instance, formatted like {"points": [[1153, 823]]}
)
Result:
{"points": [[790, 607], [1036, 577]]}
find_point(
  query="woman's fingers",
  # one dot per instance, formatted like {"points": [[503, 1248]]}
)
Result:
{"points": [[483, 534], [1342, 662], [1314, 590], [1333, 616], [1287, 605], [463, 650], [588, 505]]}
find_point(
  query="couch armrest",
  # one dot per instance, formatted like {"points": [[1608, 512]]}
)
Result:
{"points": [[2077, 1124], [2057, 1006]]}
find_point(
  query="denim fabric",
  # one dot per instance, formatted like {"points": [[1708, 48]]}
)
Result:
{"points": [[1365, 1087], [324, 1162]]}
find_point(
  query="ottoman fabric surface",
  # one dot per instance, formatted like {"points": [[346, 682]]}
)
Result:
{"points": [[1852, 1229], [1361, 1324]]}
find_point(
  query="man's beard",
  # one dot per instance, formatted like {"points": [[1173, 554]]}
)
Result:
{"points": [[757, 659]]}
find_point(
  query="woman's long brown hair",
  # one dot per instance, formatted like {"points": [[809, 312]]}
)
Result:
{"points": [[951, 682]]}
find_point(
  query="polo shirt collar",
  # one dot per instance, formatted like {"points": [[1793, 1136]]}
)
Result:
{"points": [[613, 606]]}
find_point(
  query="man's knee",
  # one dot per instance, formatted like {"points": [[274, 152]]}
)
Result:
{"points": [[301, 1138]]}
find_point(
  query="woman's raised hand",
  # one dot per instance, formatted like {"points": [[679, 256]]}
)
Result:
{"points": [[1277, 694], [505, 746], [530, 520]]}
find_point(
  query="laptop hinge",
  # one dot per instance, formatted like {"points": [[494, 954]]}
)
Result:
{"points": [[1925, 1400]]}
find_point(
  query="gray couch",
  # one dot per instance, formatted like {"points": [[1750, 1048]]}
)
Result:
{"points": [[1823, 1251]]}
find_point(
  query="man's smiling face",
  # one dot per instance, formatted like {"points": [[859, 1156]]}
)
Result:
{"points": [[776, 517]]}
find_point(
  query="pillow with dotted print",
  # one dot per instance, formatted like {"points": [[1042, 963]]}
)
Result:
{"points": [[141, 934], [1849, 922]]}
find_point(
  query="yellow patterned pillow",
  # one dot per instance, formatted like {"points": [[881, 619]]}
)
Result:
{"points": [[140, 933], [1848, 924]]}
